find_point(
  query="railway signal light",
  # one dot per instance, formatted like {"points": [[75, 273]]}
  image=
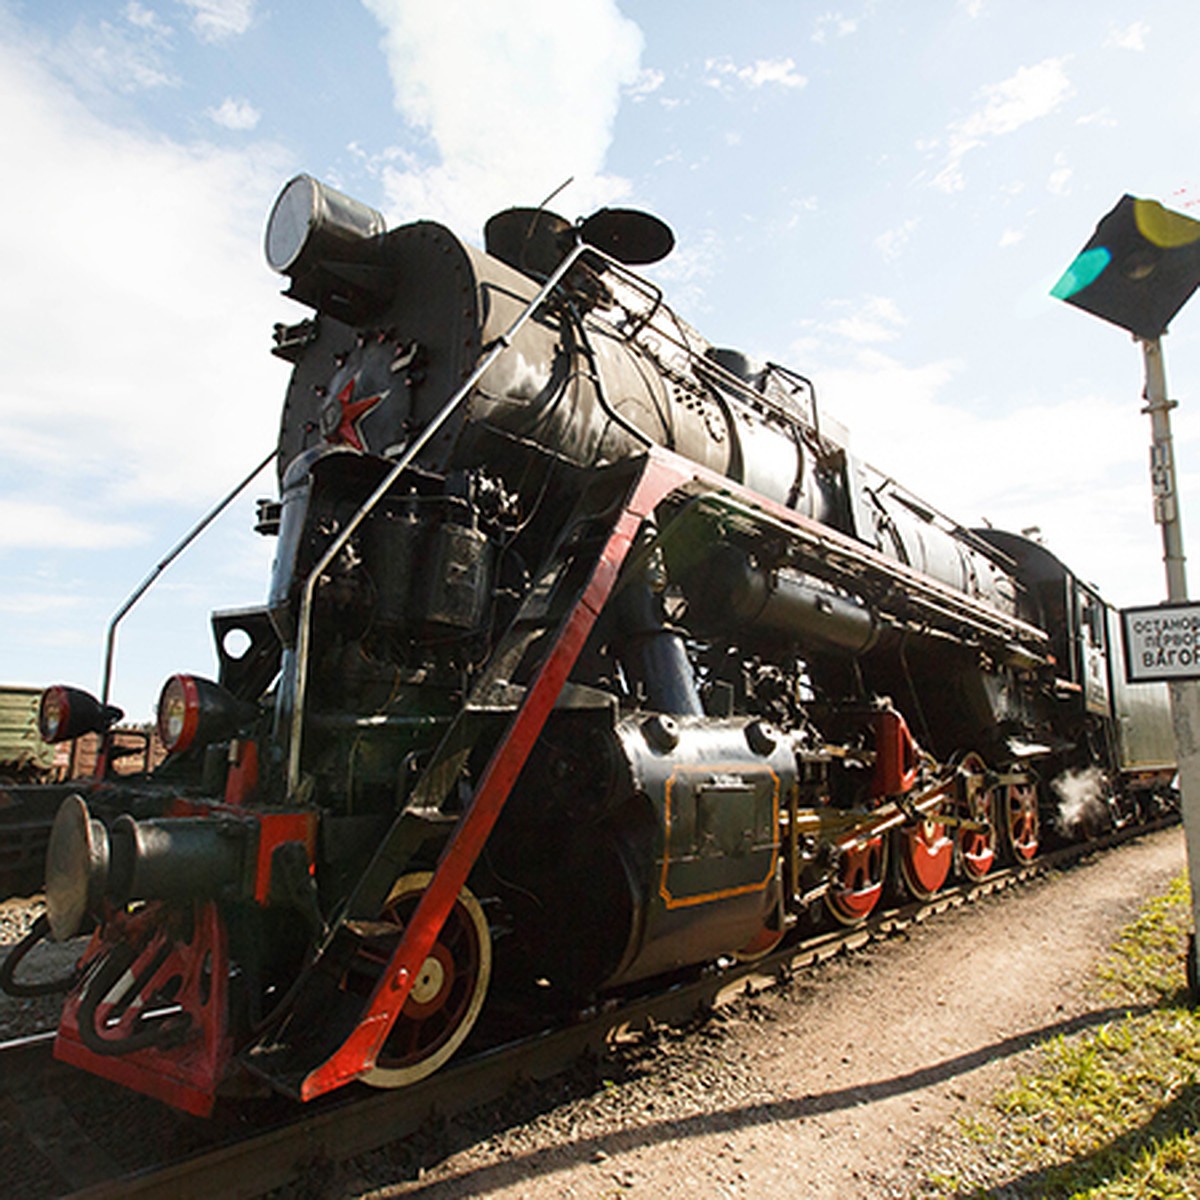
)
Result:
{"points": [[1138, 268], [1137, 271]]}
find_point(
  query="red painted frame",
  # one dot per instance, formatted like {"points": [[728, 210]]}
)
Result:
{"points": [[184, 1075], [661, 475]]}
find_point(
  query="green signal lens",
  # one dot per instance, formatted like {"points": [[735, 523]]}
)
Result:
{"points": [[1085, 270]]}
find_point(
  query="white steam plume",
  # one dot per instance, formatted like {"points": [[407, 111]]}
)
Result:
{"points": [[1082, 807]]}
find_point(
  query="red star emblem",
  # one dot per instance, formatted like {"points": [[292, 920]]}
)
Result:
{"points": [[353, 411]]}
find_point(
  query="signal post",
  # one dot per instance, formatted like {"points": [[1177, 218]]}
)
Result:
{"points": [[1138, 269]]}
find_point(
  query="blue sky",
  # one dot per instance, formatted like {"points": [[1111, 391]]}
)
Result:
{"points": [[878, 194]]}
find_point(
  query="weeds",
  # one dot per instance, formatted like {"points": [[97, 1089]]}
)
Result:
{"points": [[1114, 1113]]}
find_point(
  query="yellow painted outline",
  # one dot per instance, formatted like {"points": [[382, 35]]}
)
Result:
{"points": [[713, 768]]}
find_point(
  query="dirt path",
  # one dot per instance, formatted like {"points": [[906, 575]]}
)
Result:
{"points": [[833, 1088]]}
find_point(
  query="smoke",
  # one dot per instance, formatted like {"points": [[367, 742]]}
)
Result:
{"points": [[515, 98], [1082, 807]]}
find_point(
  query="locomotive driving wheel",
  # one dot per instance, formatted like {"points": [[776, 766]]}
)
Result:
{"points": [[975, 847], [926, 853], [449, 990], [1019, 816], [858, 878]]}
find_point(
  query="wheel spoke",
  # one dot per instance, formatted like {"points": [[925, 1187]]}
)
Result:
{"points": [[1022, 820], [447, 998], [976, 844], [857, 882], [926, 854]]}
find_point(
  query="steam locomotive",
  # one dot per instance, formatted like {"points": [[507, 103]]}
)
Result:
{"points": [[591, 655]]}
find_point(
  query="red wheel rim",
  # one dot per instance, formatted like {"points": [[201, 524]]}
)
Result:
{"points": [[858, 881], [976, 847], [441, 995], [926, 856], [1022, 820], [447, 994]]}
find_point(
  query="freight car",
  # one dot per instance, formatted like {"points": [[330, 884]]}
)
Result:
{"points": [[24, 756], [36, 776], [591, 654], [26, 808]]}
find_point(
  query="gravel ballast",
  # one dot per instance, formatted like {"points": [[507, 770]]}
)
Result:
{"points": [[839, 1084]]}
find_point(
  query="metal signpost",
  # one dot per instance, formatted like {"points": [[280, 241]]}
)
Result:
{"points": [[1137, 271]]}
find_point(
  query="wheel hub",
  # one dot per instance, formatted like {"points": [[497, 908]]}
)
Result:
{"points": [[432, 984]]}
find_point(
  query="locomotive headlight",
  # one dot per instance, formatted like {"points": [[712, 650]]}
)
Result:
{"points": [[66, 712], [178, 713], [53, 713], [194, 712], [312, 222]]}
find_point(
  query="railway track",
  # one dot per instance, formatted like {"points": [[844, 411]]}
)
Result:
{"points": [[49, 1121]]}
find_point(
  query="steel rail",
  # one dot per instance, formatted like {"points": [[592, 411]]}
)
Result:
{"points": [[358, 1120]]}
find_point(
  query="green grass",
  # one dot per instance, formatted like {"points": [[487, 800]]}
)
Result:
{"points": [[1112, 1113]]}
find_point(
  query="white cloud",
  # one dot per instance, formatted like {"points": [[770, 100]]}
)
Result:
{"points": [[1132, 37], [775, 70], [552, 75], [648, 82], [891, 242], [35, 604], [1010, 237], [1026, 96], [876, 319], [102, 57], [216, 20], [145, 18], [1031, 93], [1101, 117], [779, 71], [136, 337], [33, 525], [688, 270], [971, 7], [833, 24], [234, 114], [798, 208], [1059, 183]]}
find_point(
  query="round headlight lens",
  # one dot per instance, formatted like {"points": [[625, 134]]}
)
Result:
{"points": [[178, 713], [290, 223], [54, 713]]}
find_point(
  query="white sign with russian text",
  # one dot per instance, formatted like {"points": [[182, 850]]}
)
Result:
{"points": [[1161, 643]]}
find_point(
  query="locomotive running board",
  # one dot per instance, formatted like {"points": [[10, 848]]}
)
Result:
{"points": [[329, 1037]]}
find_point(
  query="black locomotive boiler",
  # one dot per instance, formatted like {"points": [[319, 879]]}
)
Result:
{"points": [[590, 655]]}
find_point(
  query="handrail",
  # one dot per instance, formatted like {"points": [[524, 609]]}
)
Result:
{"points": [[179, 547], [304, 621]]}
